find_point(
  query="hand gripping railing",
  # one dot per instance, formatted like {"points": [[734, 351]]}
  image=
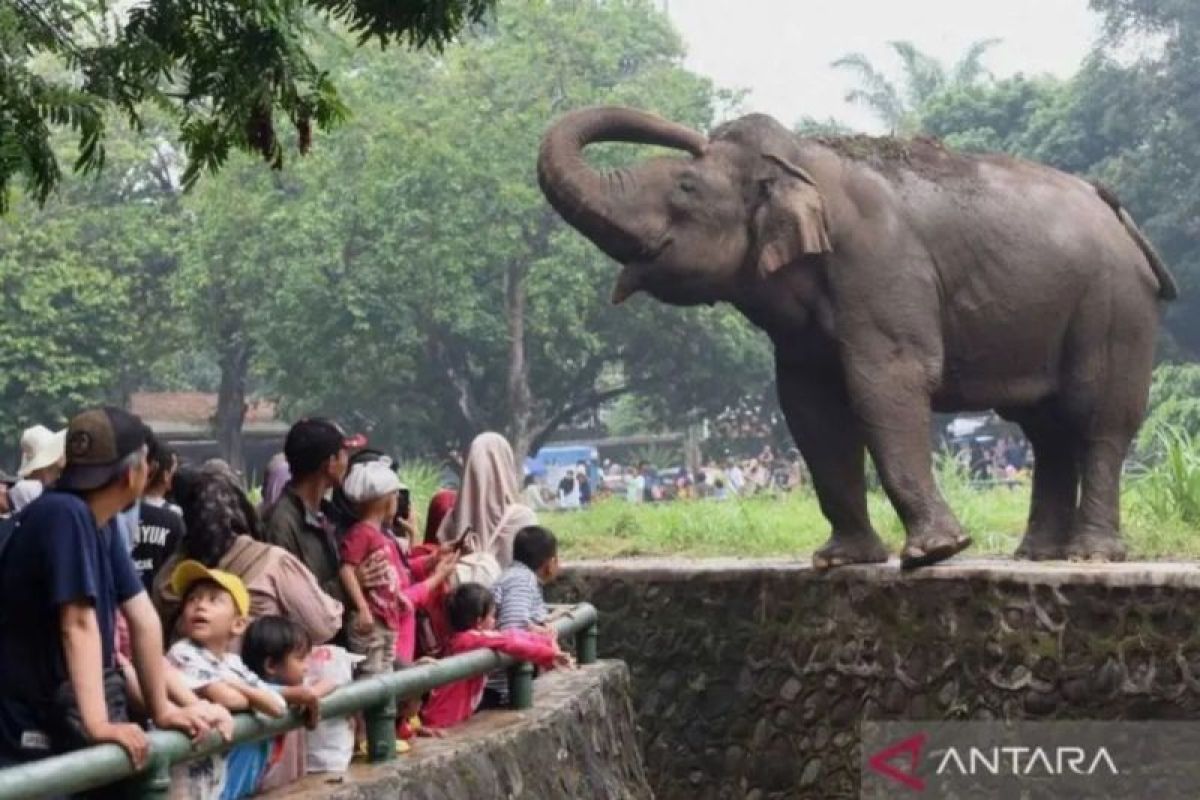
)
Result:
{"points": [[376, 697]]}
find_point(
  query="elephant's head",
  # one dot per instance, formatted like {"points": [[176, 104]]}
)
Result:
{"points": [[686, 229]]}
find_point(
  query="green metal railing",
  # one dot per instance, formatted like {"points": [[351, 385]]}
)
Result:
{"points": [[375, 697]]}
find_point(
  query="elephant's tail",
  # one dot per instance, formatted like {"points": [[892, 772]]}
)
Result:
{"points": [[1168, 289]]}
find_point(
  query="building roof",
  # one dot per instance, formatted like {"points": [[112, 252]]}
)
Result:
{"points": [[191, 413]]}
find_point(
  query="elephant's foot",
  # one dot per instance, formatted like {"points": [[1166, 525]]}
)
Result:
{"points": [[1090, 544], [1040, 545], [932, 544], [843, 550]]}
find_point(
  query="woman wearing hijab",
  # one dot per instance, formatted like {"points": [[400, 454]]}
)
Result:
{"points": [[488, 509], [440, 506]]}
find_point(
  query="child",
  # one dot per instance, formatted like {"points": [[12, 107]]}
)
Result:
{"points": [[383, 622], [215, 609], [276, 649], [519, 598], [472, 612]]}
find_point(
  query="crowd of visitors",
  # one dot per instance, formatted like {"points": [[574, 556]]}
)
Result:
{"points": [[155, 593], [1005, 460], [724, 479]]}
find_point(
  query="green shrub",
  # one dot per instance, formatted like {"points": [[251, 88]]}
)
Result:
{"points": [[1167, 489]]}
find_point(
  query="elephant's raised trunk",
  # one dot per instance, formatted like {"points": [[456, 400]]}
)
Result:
{"points": [[584, 197]]}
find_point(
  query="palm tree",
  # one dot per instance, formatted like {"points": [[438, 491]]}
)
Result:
{"points": [[924, 77]]}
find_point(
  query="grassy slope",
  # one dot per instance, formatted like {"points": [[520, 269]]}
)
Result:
{"points": [[793, 525]]}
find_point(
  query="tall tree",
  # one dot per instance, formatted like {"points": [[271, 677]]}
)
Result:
{"points": [[471, 305], [240, 240], [923, 77]]}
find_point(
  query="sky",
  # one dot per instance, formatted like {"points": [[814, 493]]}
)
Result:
{"points": [[781, 49]]}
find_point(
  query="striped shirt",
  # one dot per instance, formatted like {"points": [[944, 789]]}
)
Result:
{"points": [[519, 604], [519, 600]]}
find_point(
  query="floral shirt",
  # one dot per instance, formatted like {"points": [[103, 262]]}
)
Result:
{"points": [[205, 778], [201, 667]]}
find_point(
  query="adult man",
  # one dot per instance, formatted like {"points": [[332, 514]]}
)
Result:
{"points": [[63, 578], [42, 458], [318, 454]]}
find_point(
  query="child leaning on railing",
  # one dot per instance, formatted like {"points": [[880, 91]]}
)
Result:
{"points": [[277, 650], [472, 612]]}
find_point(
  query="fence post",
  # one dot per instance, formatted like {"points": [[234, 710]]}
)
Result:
{"points": [[154, 783], [520, 686], [381, 731], [585, 645]]}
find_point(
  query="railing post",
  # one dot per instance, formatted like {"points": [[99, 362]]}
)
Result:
{"points": [[585, 645], [381, 731], [153, 784], [520, 686]]}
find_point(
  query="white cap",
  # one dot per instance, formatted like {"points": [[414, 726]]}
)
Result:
{"points": [[370, 480], [41, 448]]}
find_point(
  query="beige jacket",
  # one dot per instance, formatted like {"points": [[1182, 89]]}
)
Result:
{"points": [[279, 584]]}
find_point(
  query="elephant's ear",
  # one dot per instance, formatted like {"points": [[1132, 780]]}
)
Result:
{"points": [[790, 221]]}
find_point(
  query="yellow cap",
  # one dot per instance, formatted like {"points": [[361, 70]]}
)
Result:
{"points": [[188, 572]]}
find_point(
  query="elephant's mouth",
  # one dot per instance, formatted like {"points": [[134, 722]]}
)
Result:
{"points": [[633, 273]]}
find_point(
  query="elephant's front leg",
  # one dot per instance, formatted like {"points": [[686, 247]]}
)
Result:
{"points": [[818, 415], [891, 397]]}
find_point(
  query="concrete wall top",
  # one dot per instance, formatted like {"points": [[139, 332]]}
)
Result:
{"points": [[1175, 574]]}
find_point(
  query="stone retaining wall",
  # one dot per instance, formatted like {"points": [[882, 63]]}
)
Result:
{"points": [[577, 743], [750, 678]]}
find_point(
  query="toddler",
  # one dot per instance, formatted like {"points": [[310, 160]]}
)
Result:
{"points": [[472, 612], [276, 649], [383, 620]]}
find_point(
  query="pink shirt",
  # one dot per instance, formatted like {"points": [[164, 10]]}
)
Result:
{"points": [[455, 702], [418, 595], [394, 604], [387, 601]]}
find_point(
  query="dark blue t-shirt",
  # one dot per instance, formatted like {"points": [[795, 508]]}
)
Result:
{"points": [[57, 556]]}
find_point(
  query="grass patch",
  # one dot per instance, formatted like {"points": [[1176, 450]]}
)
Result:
{"points": [[792, 525]]}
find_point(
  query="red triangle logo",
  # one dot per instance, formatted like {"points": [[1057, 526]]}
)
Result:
{"points": [[910, 748]]}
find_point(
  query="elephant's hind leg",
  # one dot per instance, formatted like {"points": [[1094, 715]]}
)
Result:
{"points": [[1106, 397], [818, 415], [1096, 533], [1055, 483]]}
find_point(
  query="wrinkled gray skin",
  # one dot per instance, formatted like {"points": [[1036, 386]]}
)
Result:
{"points": [[895, 277]]}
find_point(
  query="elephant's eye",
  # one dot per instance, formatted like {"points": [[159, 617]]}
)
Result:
{"points": [[687, 186]]}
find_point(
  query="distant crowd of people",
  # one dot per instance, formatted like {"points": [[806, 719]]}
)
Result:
{"points": [[136, 591], [1006, 460], [765, 473]]}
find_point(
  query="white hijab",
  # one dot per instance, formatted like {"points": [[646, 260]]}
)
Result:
{"points": [[489, 502]]}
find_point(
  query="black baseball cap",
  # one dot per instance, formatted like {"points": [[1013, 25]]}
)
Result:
{"points": [[98, 440], [312, 441]]}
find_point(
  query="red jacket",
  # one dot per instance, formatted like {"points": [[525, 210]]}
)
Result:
{"points": [[455, 702]]}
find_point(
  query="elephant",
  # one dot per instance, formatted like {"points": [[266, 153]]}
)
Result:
{"points": [[895, 278]]}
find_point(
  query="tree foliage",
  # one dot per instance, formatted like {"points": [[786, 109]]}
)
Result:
{"points": [[923, 78], [477, 307], [86, 310], [234, 73]]}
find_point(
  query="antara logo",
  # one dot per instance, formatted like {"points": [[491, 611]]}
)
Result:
{"points": [[1014, 760], [996, 761]]}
